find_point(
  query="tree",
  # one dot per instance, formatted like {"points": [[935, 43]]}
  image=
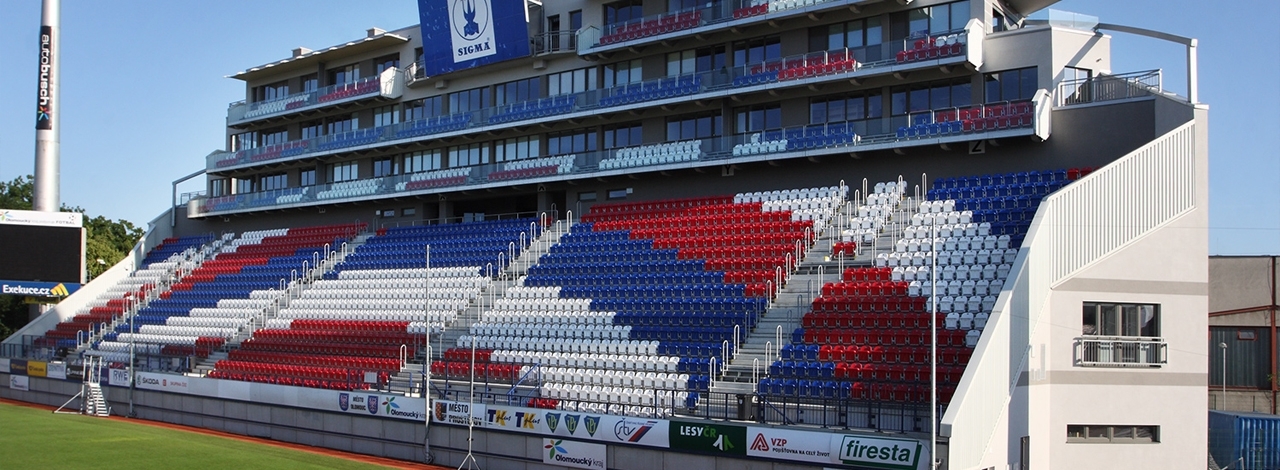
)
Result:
{"points": [[105, 239]]}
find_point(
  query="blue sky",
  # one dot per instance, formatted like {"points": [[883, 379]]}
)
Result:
{"points": [[144, 95]]}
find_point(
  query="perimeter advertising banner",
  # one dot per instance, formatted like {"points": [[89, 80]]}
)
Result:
{"points": [[462, 34], [56, 370], [863, 451], [20, 382], [588, 426], [36, 368], [574, 454], [707, 437]]}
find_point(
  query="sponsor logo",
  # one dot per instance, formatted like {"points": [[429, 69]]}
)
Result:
{"points": [[146, 380], [886, 453], [553, 421], [632, 431], [391, 408], [554, 447], [760, 444], [441, 411], [574, 454], [571, 423], [344, 401], [59, 290], [44, 93], [471, 22], [707, 433], [371, 404], [593, 423], [527, 420], [498, 417]]}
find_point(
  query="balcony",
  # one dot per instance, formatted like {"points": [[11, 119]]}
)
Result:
{"points": [[935, 127], [682, 23], [794, 71], [1105, 88], [389, 84], [1120, 351]]}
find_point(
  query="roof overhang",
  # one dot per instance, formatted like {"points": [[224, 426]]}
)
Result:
{"points": [[1027, 7], [309, 59]]}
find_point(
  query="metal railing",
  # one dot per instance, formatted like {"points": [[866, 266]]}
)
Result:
{"points": [[552, 42], [1109, 88], [1120, 351], [385, 84]]}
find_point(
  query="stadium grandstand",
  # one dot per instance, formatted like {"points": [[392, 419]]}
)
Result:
{"points": [[647, 233]]}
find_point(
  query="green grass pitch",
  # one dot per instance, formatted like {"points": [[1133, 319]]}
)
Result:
{"points": [[36, 438]]}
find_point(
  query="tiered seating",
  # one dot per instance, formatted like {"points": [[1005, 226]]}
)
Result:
{"points": [[534, 109], [989, 117], [643, 302], [353, 188], [424, 301], [653, 90], [264, 108], [363, 87], [751, 10], [434, 125], [242, 276], [867, 337], [818, 63], [658, 154], [467, 245], [874, 214], [220, 203], [652, 27], [352, 139], [292, 195], [532, 168], [435, 179], [158, 265], [939, 47], [800, 138]]}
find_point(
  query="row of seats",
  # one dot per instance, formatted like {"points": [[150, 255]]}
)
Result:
{"points": [[263, 108], [652, 90], [658, 154], [349, 90], [354, 188], [435, 179], [983, 118], [938, 47], [651, 27], [533, 168], [433, 125], [534, 109]]}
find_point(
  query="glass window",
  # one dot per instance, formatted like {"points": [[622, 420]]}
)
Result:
{"points": [[340, 124], [624, 135], [418, 162], [576, 141], [310, 83], [519, 148], [409, 212], [274, 182], [244, 141], [243, 186], [383, 167], [1114, 319], [311, 129], [468, 155], [340, 172], [618, 193], [218, 187], [695, 60], [344, 75], [1112, 434], [623, 11], [572, 81], [587, 196], [757, 118], [270, 92], [622, 73], [307, 177], [469, 100], [700, 126], [386, 115], [275, 136], [423, 108], [757, 50], [390, 61], [519, 91], [1011, 85]]}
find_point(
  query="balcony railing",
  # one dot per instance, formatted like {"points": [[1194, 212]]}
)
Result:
{"points": [[803, 68], [687, 19], [1009, 118], [1120, 351], [388, 84], [1109, 88], [553, 42]]}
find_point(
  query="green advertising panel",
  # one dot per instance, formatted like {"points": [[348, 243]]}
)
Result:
{"points": [[708, 438]]}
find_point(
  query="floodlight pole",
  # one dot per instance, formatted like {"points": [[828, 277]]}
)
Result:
{"points": [[933, 347], [45, 197]]}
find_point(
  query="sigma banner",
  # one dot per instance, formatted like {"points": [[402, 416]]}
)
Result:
{"points": [[462, 34], [574, 454], [44, 92]]}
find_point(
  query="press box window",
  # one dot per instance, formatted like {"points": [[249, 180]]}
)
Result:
{"points": [[1116, 319], [587, 196], [1112, 434], [618, 193], [408, 212]]}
